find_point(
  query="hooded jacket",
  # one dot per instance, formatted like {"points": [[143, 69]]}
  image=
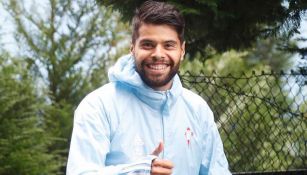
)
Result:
{"points": [[117, 127]]}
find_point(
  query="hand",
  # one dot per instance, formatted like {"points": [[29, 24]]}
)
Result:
{"points": [[160, 166]]}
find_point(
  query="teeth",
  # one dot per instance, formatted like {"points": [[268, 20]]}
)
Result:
{"points": [[157, 67]]}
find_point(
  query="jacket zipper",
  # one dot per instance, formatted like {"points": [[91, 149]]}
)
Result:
{"points": [[162, 120]]}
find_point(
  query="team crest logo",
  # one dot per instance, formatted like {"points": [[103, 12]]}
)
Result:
{"points": [[188, 135]]}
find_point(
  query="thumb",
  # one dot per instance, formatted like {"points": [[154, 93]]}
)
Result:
{"points": [[158, 149]]}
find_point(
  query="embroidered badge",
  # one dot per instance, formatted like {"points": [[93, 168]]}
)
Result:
{"points": [[188, 135]]}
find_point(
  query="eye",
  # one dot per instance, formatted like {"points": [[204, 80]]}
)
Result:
{"points": [[147, 45], [170, 45]]}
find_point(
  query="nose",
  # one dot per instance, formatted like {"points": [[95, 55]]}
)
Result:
{"points": [[158, 53]]}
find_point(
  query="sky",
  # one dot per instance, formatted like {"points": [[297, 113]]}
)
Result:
{"points": [[303, 33]]}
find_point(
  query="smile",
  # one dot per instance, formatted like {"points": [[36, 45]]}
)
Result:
{"points": [[157, 66]]}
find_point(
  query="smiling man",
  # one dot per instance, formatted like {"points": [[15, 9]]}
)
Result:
{"points": [[144, 121], [157, 52]]}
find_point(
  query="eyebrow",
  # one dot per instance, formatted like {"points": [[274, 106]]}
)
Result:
{"points": [[151, 41], [170, 42], [146, 41]]}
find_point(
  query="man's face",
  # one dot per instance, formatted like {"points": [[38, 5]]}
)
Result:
{"points": [[157, 53]]}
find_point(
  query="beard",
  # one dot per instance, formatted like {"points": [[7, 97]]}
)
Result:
{"points": [[156, 81]]}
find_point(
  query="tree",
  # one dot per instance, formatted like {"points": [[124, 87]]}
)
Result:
{"points": [[229, 24], [258, 114], [264, 55], [23, 140], [68, 46]]}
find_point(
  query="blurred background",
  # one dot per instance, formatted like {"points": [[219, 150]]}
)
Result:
{"points": [[248, 59]]}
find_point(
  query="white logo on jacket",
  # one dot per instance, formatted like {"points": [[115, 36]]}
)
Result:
{"points": [[138, 147]]}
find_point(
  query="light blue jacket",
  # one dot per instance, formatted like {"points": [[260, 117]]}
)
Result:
{"points": [[117, 127]]}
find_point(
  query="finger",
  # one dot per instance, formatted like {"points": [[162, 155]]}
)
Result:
{"points": [[162, 163], [160, 171], [158, 150]]}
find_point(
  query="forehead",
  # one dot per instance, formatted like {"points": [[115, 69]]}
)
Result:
{"points": [[157, 33]]}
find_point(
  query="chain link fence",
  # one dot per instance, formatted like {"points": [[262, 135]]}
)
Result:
{"points": [[262, 118]]}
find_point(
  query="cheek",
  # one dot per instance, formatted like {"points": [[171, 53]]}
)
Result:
{"points": [[138, 62], [140, 55], [177, 58]]}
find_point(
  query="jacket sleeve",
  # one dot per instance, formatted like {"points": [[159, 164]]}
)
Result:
{"points": [[90, 144], [214, 161]]}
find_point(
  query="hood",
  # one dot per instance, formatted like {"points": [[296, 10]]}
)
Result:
{"points": [[124, 72]]}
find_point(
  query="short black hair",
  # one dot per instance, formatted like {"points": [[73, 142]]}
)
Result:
{"points": [[154, 12]]}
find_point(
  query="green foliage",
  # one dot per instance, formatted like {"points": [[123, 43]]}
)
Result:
{"points": [[263, 56], [261, 120], [68, 46], [24, 141], [66, 42], [229, 24], [257, 114]]}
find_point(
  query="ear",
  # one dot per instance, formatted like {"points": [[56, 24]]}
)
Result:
{"points": [[182, 50], [132, 48]]}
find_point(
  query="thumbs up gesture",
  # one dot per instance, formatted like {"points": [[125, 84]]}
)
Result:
{"points": [[161, 166]]}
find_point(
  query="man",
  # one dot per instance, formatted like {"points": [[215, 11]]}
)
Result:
{"points": [[144, 120]]}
